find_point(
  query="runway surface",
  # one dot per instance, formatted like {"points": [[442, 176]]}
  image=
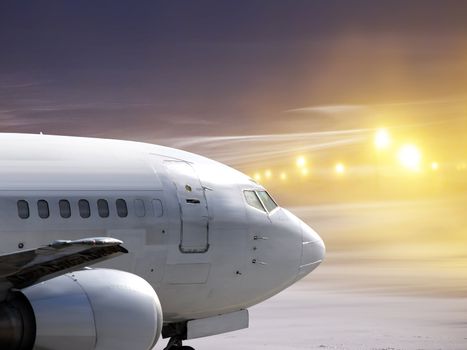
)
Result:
{"points": [[395, 277]]}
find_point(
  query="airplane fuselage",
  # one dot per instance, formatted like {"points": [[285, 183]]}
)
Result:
{"points": [[185, 219]]}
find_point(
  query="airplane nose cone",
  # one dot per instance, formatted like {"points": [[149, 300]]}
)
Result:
{"points": [[313, 251]]}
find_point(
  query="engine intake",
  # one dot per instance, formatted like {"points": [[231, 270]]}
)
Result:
{"points": [[98, 309]]}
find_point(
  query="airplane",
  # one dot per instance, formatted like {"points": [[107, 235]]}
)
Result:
{"points": [[109, 244]]}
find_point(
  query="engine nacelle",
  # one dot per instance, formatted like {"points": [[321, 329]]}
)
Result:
{"points": [[96, 309]]}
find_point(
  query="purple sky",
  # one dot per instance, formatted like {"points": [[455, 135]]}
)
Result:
{"points": [[182, 72]]}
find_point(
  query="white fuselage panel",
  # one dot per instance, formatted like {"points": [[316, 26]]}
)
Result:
{"points": [[183, 218]]}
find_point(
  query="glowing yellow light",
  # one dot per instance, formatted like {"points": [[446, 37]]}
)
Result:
{"points": [[301, 161], [283, 176], [461, 166], [382, 139], [340, 168], [257, 176], [434, 166], [268, 174], [305, 171], [410, 157]]}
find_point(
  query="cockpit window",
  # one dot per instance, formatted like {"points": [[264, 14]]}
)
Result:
{"points": [[267, 200], [253, 200]]}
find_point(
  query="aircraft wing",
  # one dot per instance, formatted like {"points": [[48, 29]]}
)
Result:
{"points": [[24, 268]]}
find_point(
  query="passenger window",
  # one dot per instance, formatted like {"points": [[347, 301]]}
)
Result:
{"points": [[122, 209], [43, 209], [103, 208], [157, 206], [23, 209], [84, 208], [65, 208], [140, 210], [252, 200], [267, 200]]}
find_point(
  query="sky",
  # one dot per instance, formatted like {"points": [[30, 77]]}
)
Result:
{"points": [[250, 83]]}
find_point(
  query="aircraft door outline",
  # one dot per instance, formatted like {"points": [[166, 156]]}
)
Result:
{"points": [[194, 213]]}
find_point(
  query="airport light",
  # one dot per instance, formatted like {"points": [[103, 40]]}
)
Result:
{"points": [[305, 171], [340, 168], [301, 161], [434, 166], [382, 139], [283, 176], [410, 157], [268, 174], [257, 176]]}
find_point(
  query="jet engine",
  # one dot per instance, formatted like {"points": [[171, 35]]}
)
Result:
{"points": [[95, 309]]}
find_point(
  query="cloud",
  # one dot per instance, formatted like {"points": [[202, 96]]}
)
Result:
{"points": [[183, 142], [348, 108], [328, 109], [178, 120], [93, 106], [6, 85], [249, 149]]}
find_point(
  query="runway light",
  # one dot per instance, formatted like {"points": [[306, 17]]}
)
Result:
{"points": [[268, 174], [340, 168], [283, 176], [301, 161], [257, 176], [434, 166], [410, 157], [382, 139]]}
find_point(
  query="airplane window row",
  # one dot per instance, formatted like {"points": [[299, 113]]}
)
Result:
{"points": [[84, 208], [260, 200]]}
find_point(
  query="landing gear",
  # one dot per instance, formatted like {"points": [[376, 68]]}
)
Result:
{"points": [[175, 343], [177, 332]]}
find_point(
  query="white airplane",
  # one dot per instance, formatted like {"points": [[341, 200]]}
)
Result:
{"points": [[107, 244]]}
